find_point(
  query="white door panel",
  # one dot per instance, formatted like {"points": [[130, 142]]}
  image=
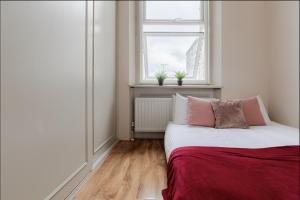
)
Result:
{"points": [[104, 72], [43, 97]]}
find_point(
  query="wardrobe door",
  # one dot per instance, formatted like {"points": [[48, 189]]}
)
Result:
{"points": [[104, 73], [43, 98]]}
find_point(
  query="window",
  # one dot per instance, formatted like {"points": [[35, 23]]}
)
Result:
{"points": [[173, 37]]}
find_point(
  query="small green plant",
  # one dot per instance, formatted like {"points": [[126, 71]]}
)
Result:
{"points": [[161, 76], [180, 75]]}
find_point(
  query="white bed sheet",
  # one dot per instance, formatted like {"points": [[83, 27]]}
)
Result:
{"points": [[255, 137]]}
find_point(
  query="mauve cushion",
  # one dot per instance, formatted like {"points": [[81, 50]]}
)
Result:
{"points": [[229, 114], [252, 112], [200, 112]]}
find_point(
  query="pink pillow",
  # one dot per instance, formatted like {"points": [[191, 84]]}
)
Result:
{"points": [[252, 112], [200, 112]]}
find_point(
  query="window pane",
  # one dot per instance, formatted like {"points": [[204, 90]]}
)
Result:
{"points": [[170, 10], [173, 53]]}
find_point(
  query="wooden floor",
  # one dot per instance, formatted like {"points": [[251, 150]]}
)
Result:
{"points": [[134, 170]]}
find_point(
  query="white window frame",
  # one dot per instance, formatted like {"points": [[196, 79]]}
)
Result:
{"points": [[141, 41]]}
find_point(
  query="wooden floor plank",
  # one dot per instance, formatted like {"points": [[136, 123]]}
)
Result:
{"points": [[133, 171]]}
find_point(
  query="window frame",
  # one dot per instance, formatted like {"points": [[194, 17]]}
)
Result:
{"points": [[141, 41], [190, 21]]}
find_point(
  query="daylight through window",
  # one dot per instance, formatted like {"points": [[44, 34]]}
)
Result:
{"points": [[173, 37]]}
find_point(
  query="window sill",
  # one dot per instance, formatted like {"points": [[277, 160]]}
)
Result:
{"points": [[177, 87]]}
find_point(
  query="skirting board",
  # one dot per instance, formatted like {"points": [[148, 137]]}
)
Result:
{"points": [[95, 166], [101, 158]]}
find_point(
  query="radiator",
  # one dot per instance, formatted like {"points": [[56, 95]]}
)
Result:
{"points": [[152, 114]]}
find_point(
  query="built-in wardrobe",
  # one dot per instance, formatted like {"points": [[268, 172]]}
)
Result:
{"points": [[58, 67]]}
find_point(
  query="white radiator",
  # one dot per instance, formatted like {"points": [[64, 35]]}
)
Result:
{"points": [[152, 114]]}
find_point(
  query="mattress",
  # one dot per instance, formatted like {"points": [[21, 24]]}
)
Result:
{"points": [[255, 137]]}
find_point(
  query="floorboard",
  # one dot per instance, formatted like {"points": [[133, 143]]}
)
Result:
{"points": [[133, 170]]}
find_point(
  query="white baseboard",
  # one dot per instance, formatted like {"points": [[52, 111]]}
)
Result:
{"points": [[101, 158], [97, 163]]}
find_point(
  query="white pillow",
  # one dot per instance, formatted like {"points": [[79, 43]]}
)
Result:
{"points": [[173, 107], [263, 111], [180, 109]]}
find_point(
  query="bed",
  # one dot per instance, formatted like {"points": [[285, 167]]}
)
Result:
{"points": [[261, 162]]}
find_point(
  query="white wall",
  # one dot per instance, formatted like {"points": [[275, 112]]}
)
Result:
{"points": [[238, 53], [254, 50], [260, 55], [125, 64], [47, 133], [126, 59], [244, 64], [283, 48]]}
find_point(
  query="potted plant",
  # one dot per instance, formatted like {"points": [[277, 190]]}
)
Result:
{"points": [[161, 76], [180, 75]]}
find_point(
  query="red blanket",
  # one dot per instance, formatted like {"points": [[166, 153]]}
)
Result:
{"points": [[196, 173]]}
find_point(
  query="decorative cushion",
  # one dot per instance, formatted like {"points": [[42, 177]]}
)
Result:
{"points": [[180, 108], [252, 112], [200, 112], [229, 114]]}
